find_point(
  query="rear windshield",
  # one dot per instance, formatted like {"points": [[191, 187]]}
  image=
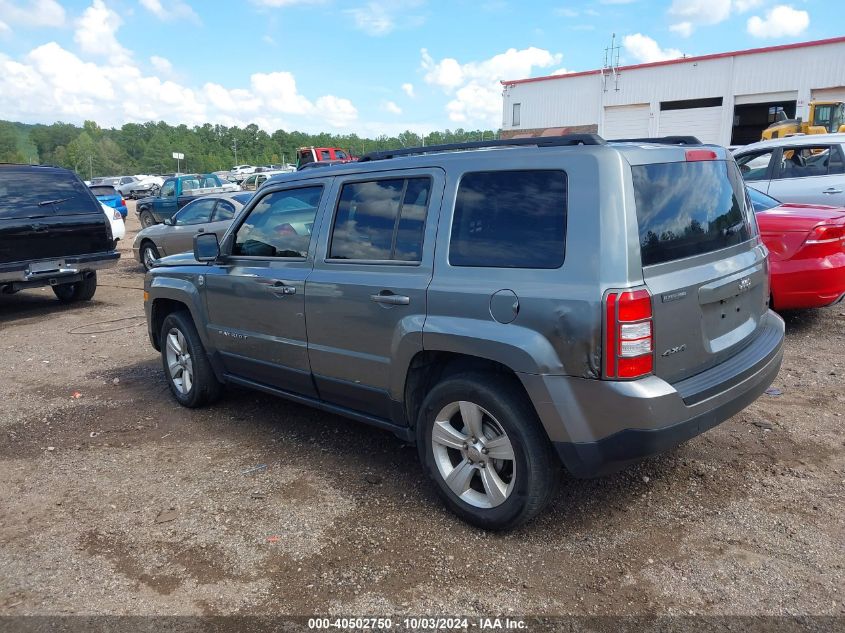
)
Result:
{"points": [[103, 190], [39, 192], [689, 208]]}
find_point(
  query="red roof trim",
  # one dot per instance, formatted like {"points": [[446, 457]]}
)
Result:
{"points": [[684, 60]]}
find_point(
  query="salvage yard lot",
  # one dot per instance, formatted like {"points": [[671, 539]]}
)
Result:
{"points": [[114, 499]]}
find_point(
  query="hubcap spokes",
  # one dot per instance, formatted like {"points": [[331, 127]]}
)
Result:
{"points": [[179, 362], [473, 454]]}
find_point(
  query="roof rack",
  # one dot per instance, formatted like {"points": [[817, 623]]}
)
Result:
{"points": [[540, 141], [661, 140]]}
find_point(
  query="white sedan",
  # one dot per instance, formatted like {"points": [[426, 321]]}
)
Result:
{"points": [[118, 228]]}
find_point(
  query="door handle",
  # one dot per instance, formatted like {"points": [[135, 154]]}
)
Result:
{"points": [[200, 230], [277, 286], [832, 190], [390, 299]]}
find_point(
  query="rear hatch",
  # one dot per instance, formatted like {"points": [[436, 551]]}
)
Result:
{"points": [[108, 195], [48, 213], [702, 260]]}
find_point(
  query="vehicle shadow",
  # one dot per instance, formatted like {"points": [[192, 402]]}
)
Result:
{"points": [[800, 320], [28, 304]]}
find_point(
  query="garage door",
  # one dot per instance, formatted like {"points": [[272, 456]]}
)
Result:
{"points": [[704, 123], [625, 121], [829, 94]]}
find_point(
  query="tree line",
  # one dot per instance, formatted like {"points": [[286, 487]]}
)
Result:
{"points": [[147, 148]]}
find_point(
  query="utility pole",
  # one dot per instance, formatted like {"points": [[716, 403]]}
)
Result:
{"points": [[90, 167], [235, 147]]}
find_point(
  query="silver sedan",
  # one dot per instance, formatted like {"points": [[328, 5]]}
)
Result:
{"points": [[209, 214]]}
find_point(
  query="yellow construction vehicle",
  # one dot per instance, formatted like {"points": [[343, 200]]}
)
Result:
{"points": [[825, 117]]}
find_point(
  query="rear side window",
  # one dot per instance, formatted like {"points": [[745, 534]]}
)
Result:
{"points": [[37, 192], [381, 220], [809, 161], [689, 208], [510, 219]]}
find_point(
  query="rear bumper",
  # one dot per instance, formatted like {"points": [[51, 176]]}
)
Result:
{"points": [[599, 427], [25, 274]]}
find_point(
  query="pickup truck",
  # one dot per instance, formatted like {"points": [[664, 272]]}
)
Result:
{"points": [[175, 193], [53, 232]]}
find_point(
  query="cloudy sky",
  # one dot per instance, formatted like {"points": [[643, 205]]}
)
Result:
{"points": [[370, 67]]}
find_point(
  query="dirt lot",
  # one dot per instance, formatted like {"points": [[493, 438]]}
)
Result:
{"points": [[120, 502]]}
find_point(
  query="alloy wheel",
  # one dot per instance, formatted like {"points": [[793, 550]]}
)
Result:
{"points": [[179, 361], [473, 454]]}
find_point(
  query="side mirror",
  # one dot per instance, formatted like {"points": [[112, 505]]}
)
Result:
{"points": [[168, 221], [206, 247]]}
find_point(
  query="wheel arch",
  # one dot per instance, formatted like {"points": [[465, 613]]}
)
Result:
{"points": [[429, 367]]}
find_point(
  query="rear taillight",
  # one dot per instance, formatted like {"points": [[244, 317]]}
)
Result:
{"points": [[123, 202], [117, 216], [826, 234], [629, 334]]}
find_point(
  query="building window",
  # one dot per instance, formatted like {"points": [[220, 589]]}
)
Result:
{"points": [[516, 109], [689, 104]]}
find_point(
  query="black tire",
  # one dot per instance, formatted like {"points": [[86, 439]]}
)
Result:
{"points": [[78, 291], [147, 219], [148, 248], [204, 388], [535, 465]]}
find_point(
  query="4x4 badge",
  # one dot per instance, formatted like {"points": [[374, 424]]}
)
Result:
{"points": [[674, 350]]}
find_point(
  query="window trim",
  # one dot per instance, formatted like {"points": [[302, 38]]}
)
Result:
{"points": [[328, 259], [455, 204], [242, 215], [516, 115]]}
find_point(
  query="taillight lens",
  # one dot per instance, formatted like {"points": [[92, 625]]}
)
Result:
{"points": [[693, 155], [826, 234], [123, 202], [629, 334]]}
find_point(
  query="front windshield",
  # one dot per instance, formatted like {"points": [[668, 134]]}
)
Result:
{"points": [[760, 201]]}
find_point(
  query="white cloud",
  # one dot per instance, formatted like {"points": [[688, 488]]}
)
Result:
{"points": [[701, 12], [390, 106], [336, 111], [275, 4], [51, 83], [278, 91], [476, 86], [408, 89], [35, 13], [693, 13], [644, 49], [684, 29], [268, 39], [781, 21], [161, 64], [4, 28], [566, 12], [175, 10], [742, 6], [561, 71], [96, 33], [384, 16]]}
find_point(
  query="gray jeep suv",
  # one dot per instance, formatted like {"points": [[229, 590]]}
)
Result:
{"points": [[508, 306]]}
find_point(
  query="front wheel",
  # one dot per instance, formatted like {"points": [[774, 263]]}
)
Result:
{"points": [[78, 291], [186, 366], [149, 254], [481, 442]]}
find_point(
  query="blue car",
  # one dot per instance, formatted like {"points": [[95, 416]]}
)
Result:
{"points": [[110, 197]]}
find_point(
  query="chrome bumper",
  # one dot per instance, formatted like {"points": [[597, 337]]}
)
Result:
{"points": [[43, 272]]}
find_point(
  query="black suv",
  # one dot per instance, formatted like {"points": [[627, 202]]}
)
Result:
{"points": [[53, 232]]}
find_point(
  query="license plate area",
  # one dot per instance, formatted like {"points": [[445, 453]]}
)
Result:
{"points": [[37, 268], [727, 321]]}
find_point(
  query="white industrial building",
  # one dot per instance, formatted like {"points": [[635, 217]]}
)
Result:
{"points": [[725, 98]]}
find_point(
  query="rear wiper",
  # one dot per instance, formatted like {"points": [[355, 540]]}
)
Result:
{"points": [[44, 203]]}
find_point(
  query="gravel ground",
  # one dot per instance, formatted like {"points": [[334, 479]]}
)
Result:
{"points": [[114, 500]]}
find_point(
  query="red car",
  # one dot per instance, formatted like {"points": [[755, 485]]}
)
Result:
{"points": [[806, 243]]}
